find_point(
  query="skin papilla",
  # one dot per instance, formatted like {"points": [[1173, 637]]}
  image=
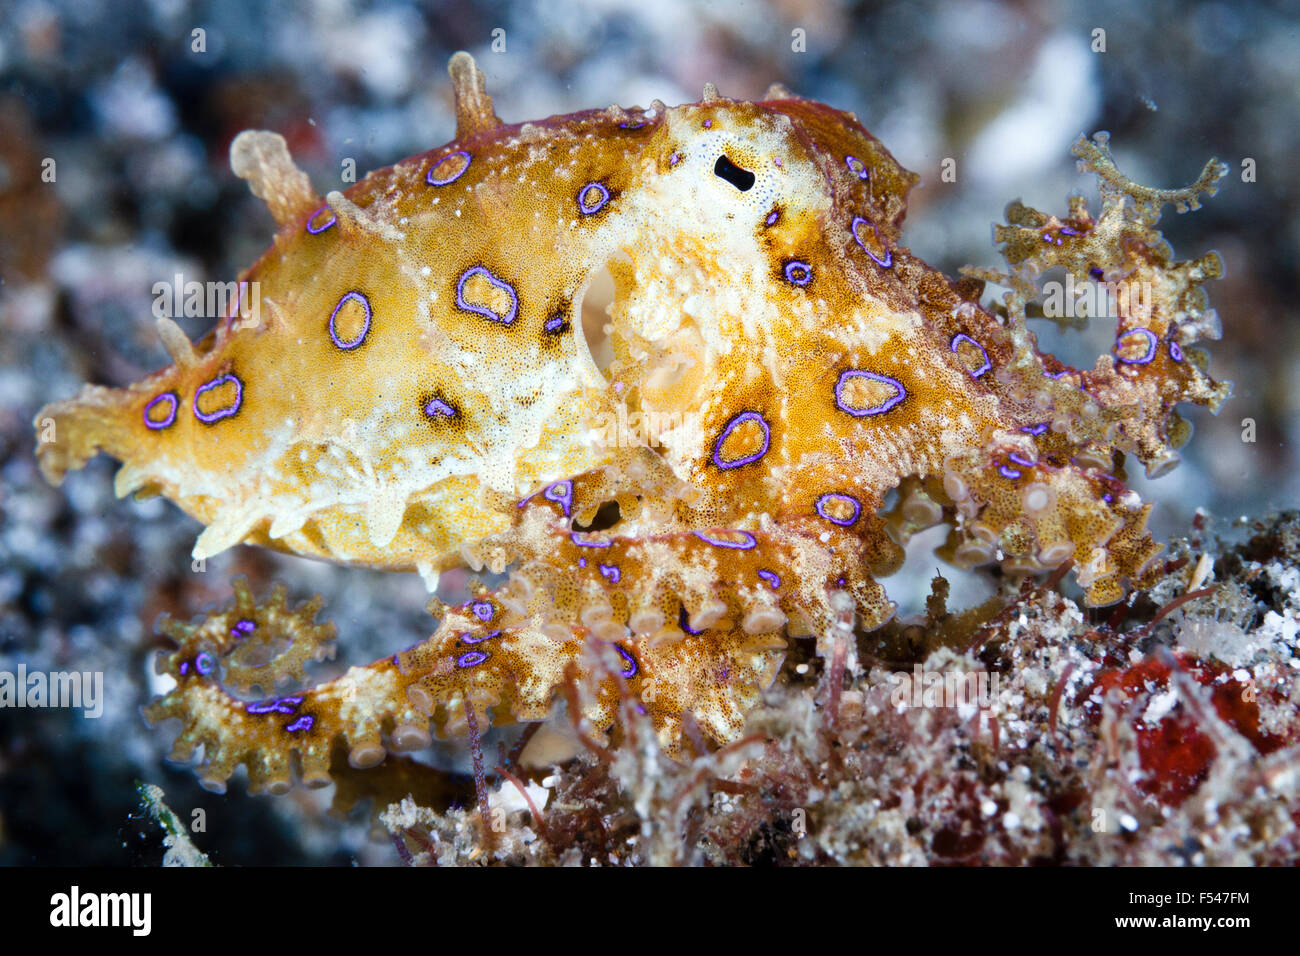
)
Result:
{"points": [[407, 384]]}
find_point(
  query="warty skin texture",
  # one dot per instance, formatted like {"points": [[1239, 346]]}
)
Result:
{"points": [[416, 390]]}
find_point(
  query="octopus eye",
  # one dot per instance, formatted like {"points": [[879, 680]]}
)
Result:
{"points": [[742, 179]]}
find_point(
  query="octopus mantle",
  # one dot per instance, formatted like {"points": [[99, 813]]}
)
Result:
{"points": [[408, 381]]}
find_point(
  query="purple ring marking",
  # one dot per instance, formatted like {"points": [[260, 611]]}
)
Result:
{"points": [[472, 658], [771, 577], [628, 659], [365, 328], [1034, 429], [1006, 471], [319, 229], [483, 610], [884, 263], [305, 722], [1175, 351], [637, 125], [280, 705], [1147, 356], [185, 667], [963, 337], [1021, 460], [732, 425], [800, 273], [749, 541], [826, 499], [481, 309], [561, 492], [468, 638], [611, 572], [221, 412], [204, 663], [437, 408], [573, 536], [601, 200], [685, 623], [880, 409], [772, 217], [169, 397], [857, 167], [582, 562], [433, 180], [555, 324], [674, 159], [708, 123]]}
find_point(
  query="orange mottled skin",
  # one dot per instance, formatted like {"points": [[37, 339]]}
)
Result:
{"points": [[417, 389]]}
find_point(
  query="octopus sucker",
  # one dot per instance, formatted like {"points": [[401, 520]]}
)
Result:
{"points": [[676, 485]]}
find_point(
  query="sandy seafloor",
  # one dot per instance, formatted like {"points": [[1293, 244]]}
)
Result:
{"points": [[139, 127]]}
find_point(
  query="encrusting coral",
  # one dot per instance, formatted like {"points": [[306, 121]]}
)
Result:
{"points": [[407, 383]]}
